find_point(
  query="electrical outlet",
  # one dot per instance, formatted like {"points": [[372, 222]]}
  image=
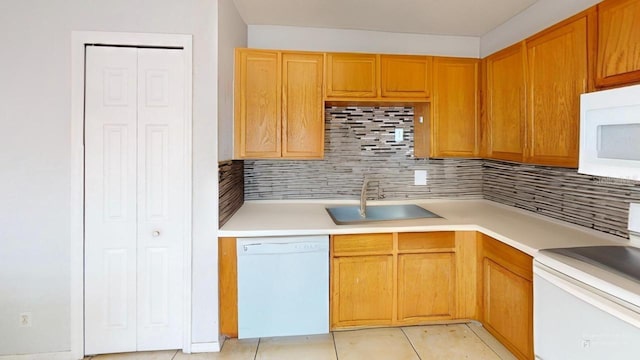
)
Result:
{"points": [[399, 134], [420, 177], [24, 320]]}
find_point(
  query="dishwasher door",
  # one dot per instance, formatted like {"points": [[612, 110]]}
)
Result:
{"points": [[283, 286]]}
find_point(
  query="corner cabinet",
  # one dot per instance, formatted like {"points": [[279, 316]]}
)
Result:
{"points": [[279, 110], [455, 126], [618, 43], [508, 296], [505, 104], [558, 60]]}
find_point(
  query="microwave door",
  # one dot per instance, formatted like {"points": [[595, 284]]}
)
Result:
{"points": [[618, 142]]}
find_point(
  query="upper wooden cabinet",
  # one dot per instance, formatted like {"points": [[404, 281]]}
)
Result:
{"points": [[505, 104], [352, 75], [405, 76], [279, 111], [558, 60], [618, 42], [302, 106], [454, 129], [371, 77]]}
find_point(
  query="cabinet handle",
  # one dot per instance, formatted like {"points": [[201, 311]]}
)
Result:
{"points": [[155, 233]]}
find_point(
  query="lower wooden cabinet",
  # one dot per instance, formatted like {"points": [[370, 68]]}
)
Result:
{"points": [[508, 296], [362, 290], [400, 278], [426, 286]]}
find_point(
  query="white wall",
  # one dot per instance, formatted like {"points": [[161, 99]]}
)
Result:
{"points": [[319, 39], [35, 90], [232, 33], [538, 16]]}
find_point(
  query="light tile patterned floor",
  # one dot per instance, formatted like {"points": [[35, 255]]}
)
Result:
{"points": [[450, 342]]}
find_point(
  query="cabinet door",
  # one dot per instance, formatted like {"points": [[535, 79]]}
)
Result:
{"points": [[352, 76], [405, 76], [426, 286], [362, 290], [508, 304], [257, 104], [455, 107], [506, 104], [557, 62], [618, 42], [302, 106]]}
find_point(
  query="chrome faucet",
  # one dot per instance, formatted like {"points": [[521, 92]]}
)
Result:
{"points": [[363, 198]]}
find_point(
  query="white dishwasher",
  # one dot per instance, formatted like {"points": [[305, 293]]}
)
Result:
{"points": [[283, 286]]}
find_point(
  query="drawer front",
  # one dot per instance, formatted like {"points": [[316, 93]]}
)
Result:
{"points": [[440, 240], [362, 243]]}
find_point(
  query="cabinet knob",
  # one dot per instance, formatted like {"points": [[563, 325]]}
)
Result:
{"points": [[155, 233]]}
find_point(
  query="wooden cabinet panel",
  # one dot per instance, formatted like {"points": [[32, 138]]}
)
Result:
{"points": [[557, 63], [505, 103], [405, 76], [508, 308], [618, 42], [302, 106], [228, 286], [279, 109], [508, 296], [257, 115], [362, 290], [426, 286], [431, 241], [362, 244], [455, 108], [351, 75]]}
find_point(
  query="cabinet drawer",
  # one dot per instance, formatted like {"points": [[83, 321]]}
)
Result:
{"points": [[438, 240], [362, 243]]}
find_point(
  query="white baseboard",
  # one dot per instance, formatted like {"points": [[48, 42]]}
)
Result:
{"points": [[66, 355], [204, 347]]}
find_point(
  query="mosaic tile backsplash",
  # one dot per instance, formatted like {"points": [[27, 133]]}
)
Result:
{"points": [[230, 189], [359, 142], [598, 203]]}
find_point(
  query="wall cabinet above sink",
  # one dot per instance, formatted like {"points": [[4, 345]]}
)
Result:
{"points": [[380, 78]]}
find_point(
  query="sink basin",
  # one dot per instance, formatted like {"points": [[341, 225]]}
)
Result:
{"points": [[345, 215]]}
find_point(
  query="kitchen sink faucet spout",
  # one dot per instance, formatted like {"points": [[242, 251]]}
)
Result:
{"points": [[363, 198]]}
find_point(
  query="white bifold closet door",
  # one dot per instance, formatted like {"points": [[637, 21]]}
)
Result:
{"points": [[134, 199]]}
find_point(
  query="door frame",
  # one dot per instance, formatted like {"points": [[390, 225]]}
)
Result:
{"points": [[79, 40]]}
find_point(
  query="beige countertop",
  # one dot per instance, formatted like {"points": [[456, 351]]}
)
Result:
{"points": [[521, 229]]}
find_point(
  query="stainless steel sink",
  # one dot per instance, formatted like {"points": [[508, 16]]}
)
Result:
{"points": [[345, 215]]}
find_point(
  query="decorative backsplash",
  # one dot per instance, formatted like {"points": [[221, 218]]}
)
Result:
{"points": [[230, 189], [598, 203], [359, 142]]}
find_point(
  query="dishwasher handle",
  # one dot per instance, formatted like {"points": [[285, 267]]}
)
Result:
{"points": [[246, 248]]}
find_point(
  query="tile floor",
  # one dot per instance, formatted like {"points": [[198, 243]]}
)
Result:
{"points": [[453, 341]]}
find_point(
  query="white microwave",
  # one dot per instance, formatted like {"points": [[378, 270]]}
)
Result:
{"points": [[610, 133]]}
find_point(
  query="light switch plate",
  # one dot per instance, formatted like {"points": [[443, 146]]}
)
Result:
{"points": [[420, 177], [634, 217], [399, 134]]}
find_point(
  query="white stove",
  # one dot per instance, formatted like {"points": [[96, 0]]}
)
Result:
{"points": [[585, 310]]}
